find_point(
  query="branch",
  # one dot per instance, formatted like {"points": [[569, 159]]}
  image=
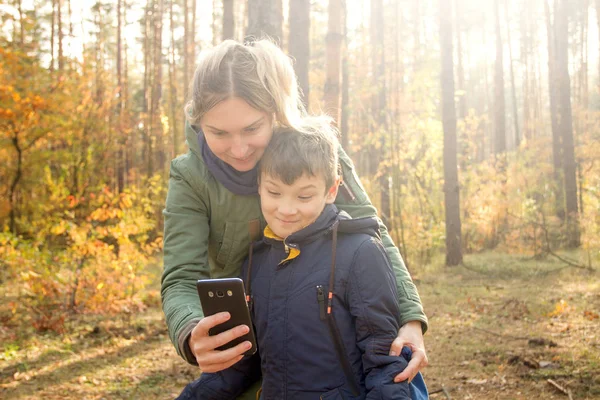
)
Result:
{"points": [[560, 388], [442, 390], [500, 335]]}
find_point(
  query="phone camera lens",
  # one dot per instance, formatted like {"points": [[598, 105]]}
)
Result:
{"points": [[220, 293]]}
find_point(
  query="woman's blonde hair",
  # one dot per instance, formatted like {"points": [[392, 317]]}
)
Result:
{"points": [[258, 72]]}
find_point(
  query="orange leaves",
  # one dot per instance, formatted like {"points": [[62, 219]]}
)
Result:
{"points": [[590, 315]]}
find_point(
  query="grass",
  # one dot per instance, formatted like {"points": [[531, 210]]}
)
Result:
{"points": [[500, 327]]}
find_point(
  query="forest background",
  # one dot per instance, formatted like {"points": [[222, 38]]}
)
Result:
{"points": [[472, 124]]}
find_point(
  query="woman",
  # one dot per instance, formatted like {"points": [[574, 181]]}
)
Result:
{"points": [[239, 94]]}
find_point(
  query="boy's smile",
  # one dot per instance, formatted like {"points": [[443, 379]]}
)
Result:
{"points": [[290, 208]]}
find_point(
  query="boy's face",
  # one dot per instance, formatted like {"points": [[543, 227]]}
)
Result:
{"points": [[289, 208]]}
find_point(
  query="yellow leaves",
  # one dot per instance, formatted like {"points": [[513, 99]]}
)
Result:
{"points": [[59, 229], [105, 213], [126, 201], [559, 308], [100, 286], [28, 275]]}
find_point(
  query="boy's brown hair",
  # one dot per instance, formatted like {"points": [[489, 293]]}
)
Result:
{"points": [[310, 149]]}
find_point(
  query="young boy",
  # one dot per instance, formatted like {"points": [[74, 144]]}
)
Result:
{"points": [[322, 293]]}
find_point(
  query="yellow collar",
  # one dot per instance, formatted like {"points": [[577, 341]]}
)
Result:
{"points": [[292, 252]]}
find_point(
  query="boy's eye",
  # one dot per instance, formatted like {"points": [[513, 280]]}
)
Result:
{"points": [[305, 198], [272, 193], [251, 129], [219, 133]]}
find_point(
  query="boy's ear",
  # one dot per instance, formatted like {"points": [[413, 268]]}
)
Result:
{"points": [[333, 191]]}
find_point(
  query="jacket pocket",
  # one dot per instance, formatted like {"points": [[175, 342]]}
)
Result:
{"points": [[334, 394], [234, 244]]}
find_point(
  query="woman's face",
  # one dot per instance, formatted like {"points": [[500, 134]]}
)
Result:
{"points": [[237, 133]]}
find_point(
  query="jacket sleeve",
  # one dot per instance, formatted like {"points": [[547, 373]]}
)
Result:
{"points": [[353, 199], [371, 297], [227, 384], [185, 251]]}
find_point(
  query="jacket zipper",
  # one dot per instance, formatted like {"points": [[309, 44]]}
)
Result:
{"points": [[321, 300]]}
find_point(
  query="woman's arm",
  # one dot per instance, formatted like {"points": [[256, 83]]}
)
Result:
{"points": [[185, 256], [186, 260]]}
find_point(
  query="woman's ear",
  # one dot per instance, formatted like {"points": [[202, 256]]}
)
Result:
{"points": [[333, 191]]}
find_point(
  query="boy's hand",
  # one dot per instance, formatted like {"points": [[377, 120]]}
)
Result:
{"points": [[203, 346], [410, 335]]}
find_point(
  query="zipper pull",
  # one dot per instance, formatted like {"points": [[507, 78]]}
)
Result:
{"points": [[287, 248], [321, 300]]}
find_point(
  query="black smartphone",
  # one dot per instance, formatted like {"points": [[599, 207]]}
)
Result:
{"points": [[228, 294]]}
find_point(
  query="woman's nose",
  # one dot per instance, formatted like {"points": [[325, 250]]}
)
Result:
{"points": [[239, 148]]}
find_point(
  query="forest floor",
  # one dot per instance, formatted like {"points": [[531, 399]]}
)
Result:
{"points": [[501, 327]]}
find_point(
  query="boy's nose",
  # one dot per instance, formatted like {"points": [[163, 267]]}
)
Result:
{"points": [[287, 209]]}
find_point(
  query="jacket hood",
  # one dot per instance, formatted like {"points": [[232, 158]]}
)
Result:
{"points": [[191, 138]]}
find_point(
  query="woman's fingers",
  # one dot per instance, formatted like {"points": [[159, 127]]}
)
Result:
{"points": [[417, 362], [204, 346], [410, 335], [218, 360]]}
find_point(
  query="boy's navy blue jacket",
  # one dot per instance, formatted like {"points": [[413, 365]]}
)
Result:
{"points": [[296, 351]]}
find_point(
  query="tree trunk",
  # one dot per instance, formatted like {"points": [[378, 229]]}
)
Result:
{"points": [[228, 20], [299, 43], [156, 126], [333, 60], [192, 40], [565, 121], [52, 34], [186, 48], [265, 19], [344, 115], [512, 78], [379, 153], [14, 184], [120, 170], [173, 87], [21, 24], [451, 188], [61, 59], [553, 94], [460, 72], [215, 18], [499, 104], [598, 21]]}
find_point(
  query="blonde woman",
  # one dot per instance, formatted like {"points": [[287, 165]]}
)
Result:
{"points": [[239, 94]]}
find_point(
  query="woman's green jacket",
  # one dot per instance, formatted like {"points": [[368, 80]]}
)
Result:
{"points": [[208, 230]]}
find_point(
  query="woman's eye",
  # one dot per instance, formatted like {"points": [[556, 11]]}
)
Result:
{"points": [[219, 133], [273, 193], [305, 198], [252, 129]]}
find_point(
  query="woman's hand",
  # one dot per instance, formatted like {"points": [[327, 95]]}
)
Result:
{"points": [[203, 346], [410, 335]]}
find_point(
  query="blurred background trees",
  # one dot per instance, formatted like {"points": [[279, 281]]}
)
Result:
{"points": [[473, 125]]}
